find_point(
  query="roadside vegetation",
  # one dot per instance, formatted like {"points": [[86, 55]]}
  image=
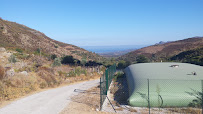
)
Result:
{"points": [[192, 56], [23, 72]]}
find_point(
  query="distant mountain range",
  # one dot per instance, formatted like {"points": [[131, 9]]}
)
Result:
{"points": [[164, 50], [14, 35], [112, 51]]}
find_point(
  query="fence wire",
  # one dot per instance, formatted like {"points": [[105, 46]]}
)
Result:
{"points": [[105, 82]]}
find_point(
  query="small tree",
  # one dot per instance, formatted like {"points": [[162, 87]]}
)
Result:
{"points": [[67, 60], [83, 62], [19, 50], [38, 50], [57, 62], [121, 64], [53, 57], [76, 62], [142, 59], [12, 59]]}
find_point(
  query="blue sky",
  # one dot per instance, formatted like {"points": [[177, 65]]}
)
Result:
{"points": [[108, 22]]}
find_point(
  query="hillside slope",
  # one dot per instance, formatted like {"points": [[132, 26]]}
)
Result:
{"points": [[14, 35], [194, 56], [164, 51]]}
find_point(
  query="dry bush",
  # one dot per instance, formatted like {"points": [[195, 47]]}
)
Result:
{"points": [[46, 68], [48, 77], [2, 72], [38, 61], [18, 85], [2, 86]]}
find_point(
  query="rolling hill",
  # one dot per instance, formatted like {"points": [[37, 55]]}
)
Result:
{"points": [[14, 35], [164, 51]]}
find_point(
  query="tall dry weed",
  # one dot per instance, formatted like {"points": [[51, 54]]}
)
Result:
{"points": [[2, 72], [18, 85]]}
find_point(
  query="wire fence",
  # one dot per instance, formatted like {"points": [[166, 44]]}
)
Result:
{"points": [[105, 82], [159, 95]]}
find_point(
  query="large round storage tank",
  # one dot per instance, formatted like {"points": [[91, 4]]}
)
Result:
{"points": [[168, 84]]}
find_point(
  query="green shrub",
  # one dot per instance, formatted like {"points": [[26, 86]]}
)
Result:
{"points": [[53, 56], [68, 60], [123, 64], [83, 62], [71, 74], [56, 46], [38, 50], [57, 62], [118, 75], [142, 59], [78, 71], [21, 55], [19, 50], [84, 72], [12, 59]]}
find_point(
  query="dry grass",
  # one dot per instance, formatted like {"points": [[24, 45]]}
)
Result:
{"points": [[2, 72], [132, 110], [48, 77], [20, 85], [16, 86], [188, 110], [86, 102]]}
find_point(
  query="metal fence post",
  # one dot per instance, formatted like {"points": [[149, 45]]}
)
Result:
{"points": [[148, 95], [106, 74]]}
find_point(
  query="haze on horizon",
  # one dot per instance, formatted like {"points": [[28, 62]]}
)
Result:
{"points": [[108, 22]]}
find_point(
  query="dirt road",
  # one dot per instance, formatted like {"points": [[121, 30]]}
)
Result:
{"points": [[47, 102]]}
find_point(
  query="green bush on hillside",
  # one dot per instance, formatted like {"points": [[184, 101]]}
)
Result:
{"points": [[12, 59], [57, 62], [194, 56], [77, 72], [19, 50], [142, 59], [53, 56], [67, 60], [123, 64]]}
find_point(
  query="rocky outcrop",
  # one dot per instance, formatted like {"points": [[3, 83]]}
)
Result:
{"points": [[2, 49]]}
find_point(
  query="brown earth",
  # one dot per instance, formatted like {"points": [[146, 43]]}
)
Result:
{"points": [[86, 102]]}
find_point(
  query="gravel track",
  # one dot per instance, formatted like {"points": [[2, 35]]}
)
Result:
{"points": [[47, 102]]}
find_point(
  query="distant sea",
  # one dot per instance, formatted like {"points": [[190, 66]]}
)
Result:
{"points": [[108, 49]]}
